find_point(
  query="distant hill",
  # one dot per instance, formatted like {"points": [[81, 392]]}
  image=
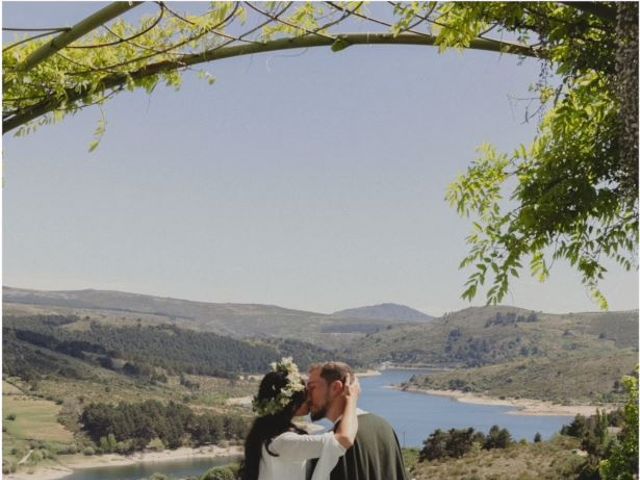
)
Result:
{"points": [[496, 334], [230, 319], [385, 311]]}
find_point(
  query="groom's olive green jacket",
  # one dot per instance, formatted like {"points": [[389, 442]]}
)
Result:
{"points": [[375, 455]]}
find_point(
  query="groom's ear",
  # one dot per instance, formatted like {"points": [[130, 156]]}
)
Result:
{"points": [[337, 387]]}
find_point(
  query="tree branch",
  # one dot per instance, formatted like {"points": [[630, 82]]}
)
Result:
{"points": [[80, 29], [115, 80]]}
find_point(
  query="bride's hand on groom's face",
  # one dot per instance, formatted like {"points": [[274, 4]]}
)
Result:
{"points": [[352, 387]]}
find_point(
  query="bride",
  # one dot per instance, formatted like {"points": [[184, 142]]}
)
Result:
{"points": [[277, 449]]}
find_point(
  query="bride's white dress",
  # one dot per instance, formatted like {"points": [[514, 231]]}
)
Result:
{"points": [[293, 452]]}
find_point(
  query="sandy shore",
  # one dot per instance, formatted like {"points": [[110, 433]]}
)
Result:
{"points": [[522, 406], [369, 373], [69, 463]]}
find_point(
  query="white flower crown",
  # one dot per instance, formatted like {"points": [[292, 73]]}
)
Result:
{"points": [[295, 384]]}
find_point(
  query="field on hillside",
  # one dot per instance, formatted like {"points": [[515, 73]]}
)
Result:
{"points": [[33, 419], [30, 423]]}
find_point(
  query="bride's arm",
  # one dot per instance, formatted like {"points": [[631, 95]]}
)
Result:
{"points": [[348, 426]]}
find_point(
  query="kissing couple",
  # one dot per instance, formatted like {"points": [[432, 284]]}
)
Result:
{"points": [[361, 445]]}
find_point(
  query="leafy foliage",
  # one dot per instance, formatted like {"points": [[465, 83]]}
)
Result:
{"points": [[622, 463], [610, 456], [564, 196]]}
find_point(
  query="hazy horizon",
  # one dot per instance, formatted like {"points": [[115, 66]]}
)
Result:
{"points": [[377, 304]]}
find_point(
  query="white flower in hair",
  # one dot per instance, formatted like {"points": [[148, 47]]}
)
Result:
{"points": [[294, 384]]}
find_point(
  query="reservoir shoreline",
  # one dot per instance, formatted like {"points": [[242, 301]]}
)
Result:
{"points": [[70, 463], [522, 406]]}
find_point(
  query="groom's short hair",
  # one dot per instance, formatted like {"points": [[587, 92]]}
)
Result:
{"points": [[333, 371]]}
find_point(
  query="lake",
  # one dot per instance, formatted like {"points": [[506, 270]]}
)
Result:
{"points": [[174, 469], [413, 415]]}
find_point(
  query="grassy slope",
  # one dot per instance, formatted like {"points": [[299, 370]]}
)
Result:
{"points": [[35, 423], [558, 459]]}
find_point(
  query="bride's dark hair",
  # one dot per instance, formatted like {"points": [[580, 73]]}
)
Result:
{"points": [[267, 427]]}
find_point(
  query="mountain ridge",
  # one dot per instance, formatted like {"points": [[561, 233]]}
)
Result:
{"points": [[238, 320]]}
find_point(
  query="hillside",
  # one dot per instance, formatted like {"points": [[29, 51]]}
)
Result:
{"points": [[580, 379], [491, 335], [139, 351]]}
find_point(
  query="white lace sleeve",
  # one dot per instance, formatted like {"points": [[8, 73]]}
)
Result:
{"points": [[331, 453], [293, 447]]}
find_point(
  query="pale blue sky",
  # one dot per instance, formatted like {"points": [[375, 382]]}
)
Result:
{"points": [[312, 181]]}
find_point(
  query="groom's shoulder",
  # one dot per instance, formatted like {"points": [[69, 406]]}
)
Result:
{"points": [[374, 421]]}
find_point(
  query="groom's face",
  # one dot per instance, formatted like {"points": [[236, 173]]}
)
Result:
{"points": [[320, 394]]}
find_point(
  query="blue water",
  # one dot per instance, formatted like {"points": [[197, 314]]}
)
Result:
{"points": [[413, 415], [173, 469]]}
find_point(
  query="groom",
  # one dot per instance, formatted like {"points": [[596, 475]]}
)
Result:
{"points": [[376, 453]]}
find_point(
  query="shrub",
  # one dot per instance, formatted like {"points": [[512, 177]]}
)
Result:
{"points": [[497, 438], [453, 443], [11, 416], [219, 473], [71, 449], [36, 456], [89, 451], [8, 466], [125, 447], [156, 445]]}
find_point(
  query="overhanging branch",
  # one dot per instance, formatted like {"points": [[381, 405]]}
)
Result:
{"points": [[79, 30], [117, 80]]}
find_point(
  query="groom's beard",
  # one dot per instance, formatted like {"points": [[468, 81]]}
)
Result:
{"points": [[318, 414]]}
